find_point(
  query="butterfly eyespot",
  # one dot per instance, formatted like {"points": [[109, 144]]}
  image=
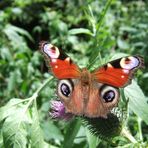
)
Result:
{"points": [[109, 93], [129, 62], [109, 96], [51, 51], [65, 88]]}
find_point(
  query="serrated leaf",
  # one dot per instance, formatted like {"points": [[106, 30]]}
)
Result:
{"points": [[80, 31], [7, 110], [14, 129], [12, 102], [36, 135], [137, 101]]}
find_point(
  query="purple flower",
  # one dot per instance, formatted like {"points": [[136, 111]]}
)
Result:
{"points": [[58, 111]]}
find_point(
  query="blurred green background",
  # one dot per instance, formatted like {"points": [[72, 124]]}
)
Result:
{"points": [[86, 30]]}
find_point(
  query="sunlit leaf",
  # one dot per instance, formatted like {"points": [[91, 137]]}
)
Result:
{"points": [[137, 101], [10, 107], [36, 134], [80, 31], [14, 30], [14, 129], [11, 81]]}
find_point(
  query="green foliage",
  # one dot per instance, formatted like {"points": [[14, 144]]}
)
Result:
{"points": [[20, 123], [137, 100], [92, 32], [71, 133], [14, 131]]}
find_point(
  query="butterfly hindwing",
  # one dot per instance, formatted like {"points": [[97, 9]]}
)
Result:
{"points": [[118, 73], [61, 65]]}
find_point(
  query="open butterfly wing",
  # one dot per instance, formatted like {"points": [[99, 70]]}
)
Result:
{"points": [[118, 73], [61, 65]]}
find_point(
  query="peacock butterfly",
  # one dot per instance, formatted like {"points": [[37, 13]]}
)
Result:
{"points": [[90, 94]]}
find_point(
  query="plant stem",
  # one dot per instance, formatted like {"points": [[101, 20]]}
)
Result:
{"points": [[35, 95], [140, 129], [43, 85], [92, 20], [103, 13], [96, 28], [128, 135]]}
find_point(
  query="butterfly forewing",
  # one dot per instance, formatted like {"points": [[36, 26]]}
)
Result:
{"points": [[118, 73], [61, 65]]}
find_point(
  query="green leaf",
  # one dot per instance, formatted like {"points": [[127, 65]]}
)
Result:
{"points": [[14, 128], [47, 145], [7, 110], [1, 138], [5, 53], [128, 29], [18, 121], [12, 34], [80, 31], [122, 44], [37, 140], [15, 30], [71, 133], [137, 101], [92, 140], [51, 131], [11, 81], [102, 15]]}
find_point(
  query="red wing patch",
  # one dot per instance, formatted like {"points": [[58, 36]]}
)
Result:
{"points": [[118, 73], [61, 65]]}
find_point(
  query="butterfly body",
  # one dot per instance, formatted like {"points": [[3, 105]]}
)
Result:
{"points": [[92, 94], [85, 98]]}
